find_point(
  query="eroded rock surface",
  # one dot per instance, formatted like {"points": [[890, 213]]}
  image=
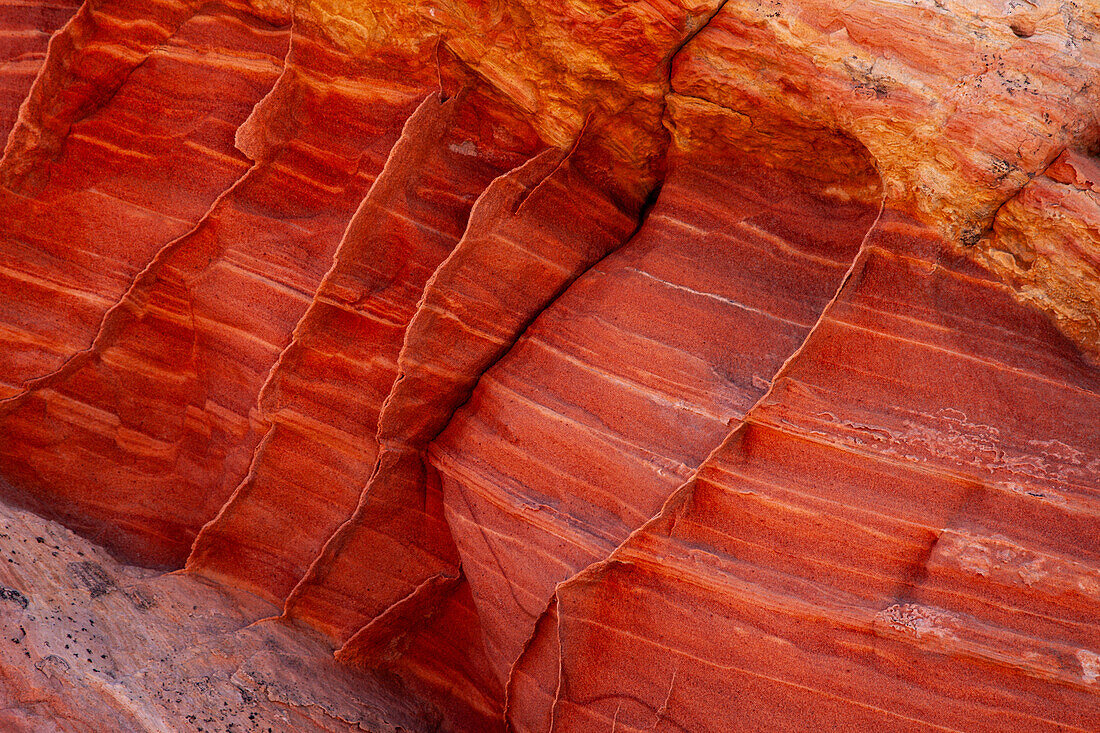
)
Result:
{"points": [[90, 644], [589, 365]]}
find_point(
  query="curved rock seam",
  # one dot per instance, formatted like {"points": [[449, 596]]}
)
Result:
{"points": [[682, 494], [146, 277], [339, 538], [116, 316], [383, 184], [84, 14], [24, 106]]}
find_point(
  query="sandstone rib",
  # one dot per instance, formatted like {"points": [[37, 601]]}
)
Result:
{"points": [[629, 365], [87, 142], [170, 395], [605, 406], [519, 260], [26, 27], [885, 550], [350, 335]]}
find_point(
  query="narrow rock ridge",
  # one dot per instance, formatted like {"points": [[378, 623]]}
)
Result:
{"points": [[114, 318], [921, 593], [64, 92], [190, 445], [450, 343], [409, 152], [432, 654], [545, 640], [28, 27], [639, 404], [385, 639], [520, 218], [111, 189], [147, 276], [354, 331], [443, 356]]}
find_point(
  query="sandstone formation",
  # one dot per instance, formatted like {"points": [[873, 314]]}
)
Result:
{"points": [[71, 662], [27, 28], [579, 365]]}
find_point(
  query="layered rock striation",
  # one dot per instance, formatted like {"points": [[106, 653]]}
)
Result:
{"points": [[550, 366]]}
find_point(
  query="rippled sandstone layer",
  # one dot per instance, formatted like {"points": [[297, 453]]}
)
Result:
{"points": [[579, 365]]}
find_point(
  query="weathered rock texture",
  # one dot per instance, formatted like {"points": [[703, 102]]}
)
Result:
{"points": [[581, 365], [93, 645]]}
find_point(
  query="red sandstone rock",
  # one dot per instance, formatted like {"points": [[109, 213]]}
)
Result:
{"points": [[521, 248], [635, 401], [437, 653], [935, 558], [268, 241], [1051, 230], [98, 174], [26, 26], [348, 343], [421, 329]]}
